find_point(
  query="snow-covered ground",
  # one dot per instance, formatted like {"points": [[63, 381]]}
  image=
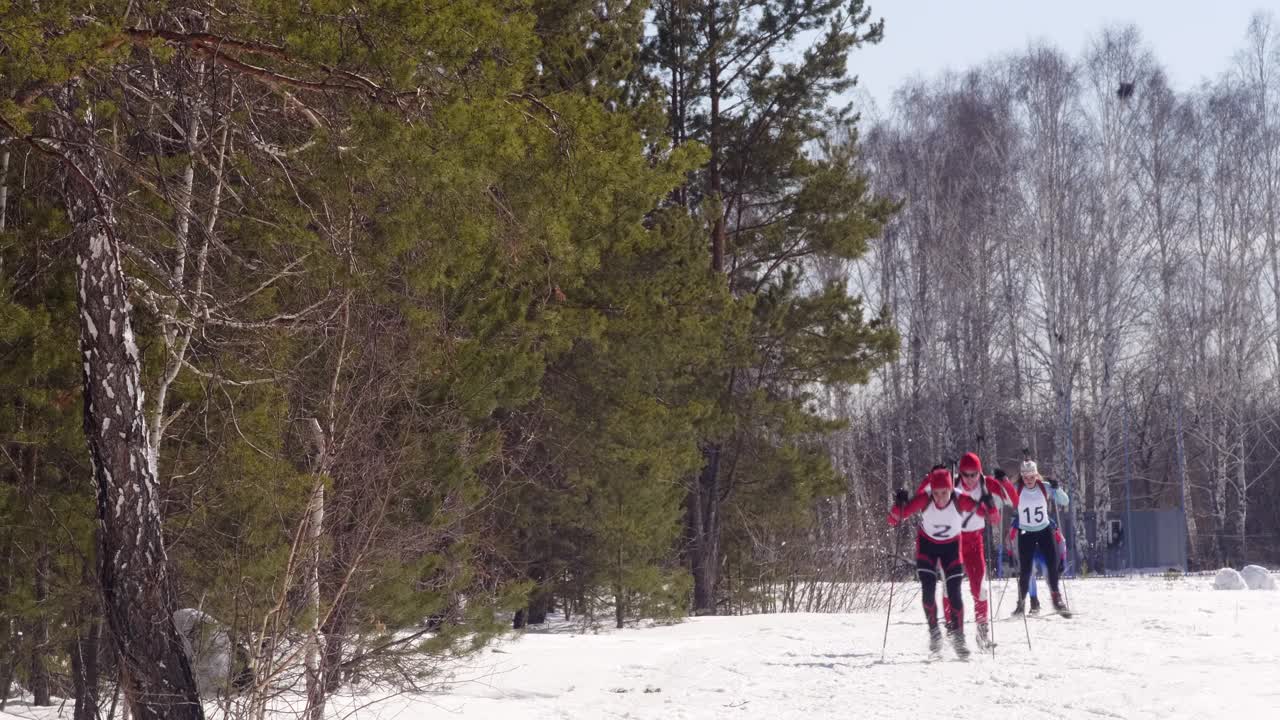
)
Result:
{"points": [[1138, 648]]}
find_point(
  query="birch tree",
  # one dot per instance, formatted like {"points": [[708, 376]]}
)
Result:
{"points": [[1259, 71], [1165, 174], [1053, 195], [1114, 68]]}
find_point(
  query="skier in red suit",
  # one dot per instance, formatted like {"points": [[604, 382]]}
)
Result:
{"points": [[942, 512]]}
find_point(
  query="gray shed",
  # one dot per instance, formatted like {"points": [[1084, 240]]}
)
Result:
{"points": [[1147, 540]]}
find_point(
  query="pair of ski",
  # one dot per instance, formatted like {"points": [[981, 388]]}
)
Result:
{"points": [[962, 651], [961, 655], [1043, 615]]}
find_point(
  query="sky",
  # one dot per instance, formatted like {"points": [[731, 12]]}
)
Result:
{"points": [[1194, 41]]}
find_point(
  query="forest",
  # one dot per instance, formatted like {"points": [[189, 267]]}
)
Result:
{"points": [[337, 340]]}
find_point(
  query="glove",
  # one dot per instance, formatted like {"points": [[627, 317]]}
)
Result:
{"points": [[987, 500], [1053, 483], [999, 474], [900, 497], [939, 466]]}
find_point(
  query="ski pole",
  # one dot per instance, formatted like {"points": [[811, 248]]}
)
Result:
{"points": [[1062, 576], [991, 626], [1003, 590], [897, 537], [1028, 631], [1024, 614]]}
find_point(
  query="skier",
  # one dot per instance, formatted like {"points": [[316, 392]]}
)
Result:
{"points": [[938, 544], [972, 546], [1031, 499], [1038, 566]]}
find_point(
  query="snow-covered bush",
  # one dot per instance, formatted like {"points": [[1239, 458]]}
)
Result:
{"points": [[1229, 579], [1258, 578]]}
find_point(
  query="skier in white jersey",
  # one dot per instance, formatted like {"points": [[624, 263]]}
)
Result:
{"points": [[972, 546], [938, 546], [1031, 498]]}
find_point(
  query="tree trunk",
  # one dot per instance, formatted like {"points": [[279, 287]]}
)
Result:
{"points": [[1188, 510], [315, 530], [9, 658], [38, 679], [704, 531], [1242, 492], [138, 594], [1101, 505], [333, 633], [1219, 485], [714, 187], [84, 671], [4, 186], [540, 599], [38, 629]]}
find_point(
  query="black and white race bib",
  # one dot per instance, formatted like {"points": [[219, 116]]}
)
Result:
{"points": [[941, 523], [1033, 509]]}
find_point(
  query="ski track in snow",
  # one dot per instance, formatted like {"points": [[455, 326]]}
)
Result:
{"points": [[1141, 648]]}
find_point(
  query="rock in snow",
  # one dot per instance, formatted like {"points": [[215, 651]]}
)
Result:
{"points": [[215, 663], [1229, 579], [1258, 578]]}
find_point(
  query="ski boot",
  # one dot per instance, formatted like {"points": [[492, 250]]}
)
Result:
{"points": [[935, 641], [1035, 605], [1018, 610], [983, 637], [1060, 606], [957, 642]]}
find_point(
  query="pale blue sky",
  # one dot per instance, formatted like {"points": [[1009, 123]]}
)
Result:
{"points": [[1192, 40]]}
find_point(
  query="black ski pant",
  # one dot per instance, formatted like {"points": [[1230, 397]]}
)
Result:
{"points": [[940, 559], [1028, 543]]}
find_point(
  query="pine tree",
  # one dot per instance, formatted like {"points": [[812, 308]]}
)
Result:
{"points": [[443, 257], [46, 606], [775, 202]]}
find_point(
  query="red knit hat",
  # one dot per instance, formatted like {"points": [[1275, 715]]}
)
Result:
{"points": [[940, 479], [970, 463]]}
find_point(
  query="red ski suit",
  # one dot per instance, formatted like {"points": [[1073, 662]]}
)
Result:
{"points": [[934, 550], [972, 548]]}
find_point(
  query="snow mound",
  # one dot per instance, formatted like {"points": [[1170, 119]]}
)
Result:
{"points": [[1258, 578], [1229, 579]]}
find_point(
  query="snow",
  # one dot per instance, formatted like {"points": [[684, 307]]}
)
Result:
{"points": [[1258, 578], [1142, 648], [1229, 579], [1139, 648]]}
